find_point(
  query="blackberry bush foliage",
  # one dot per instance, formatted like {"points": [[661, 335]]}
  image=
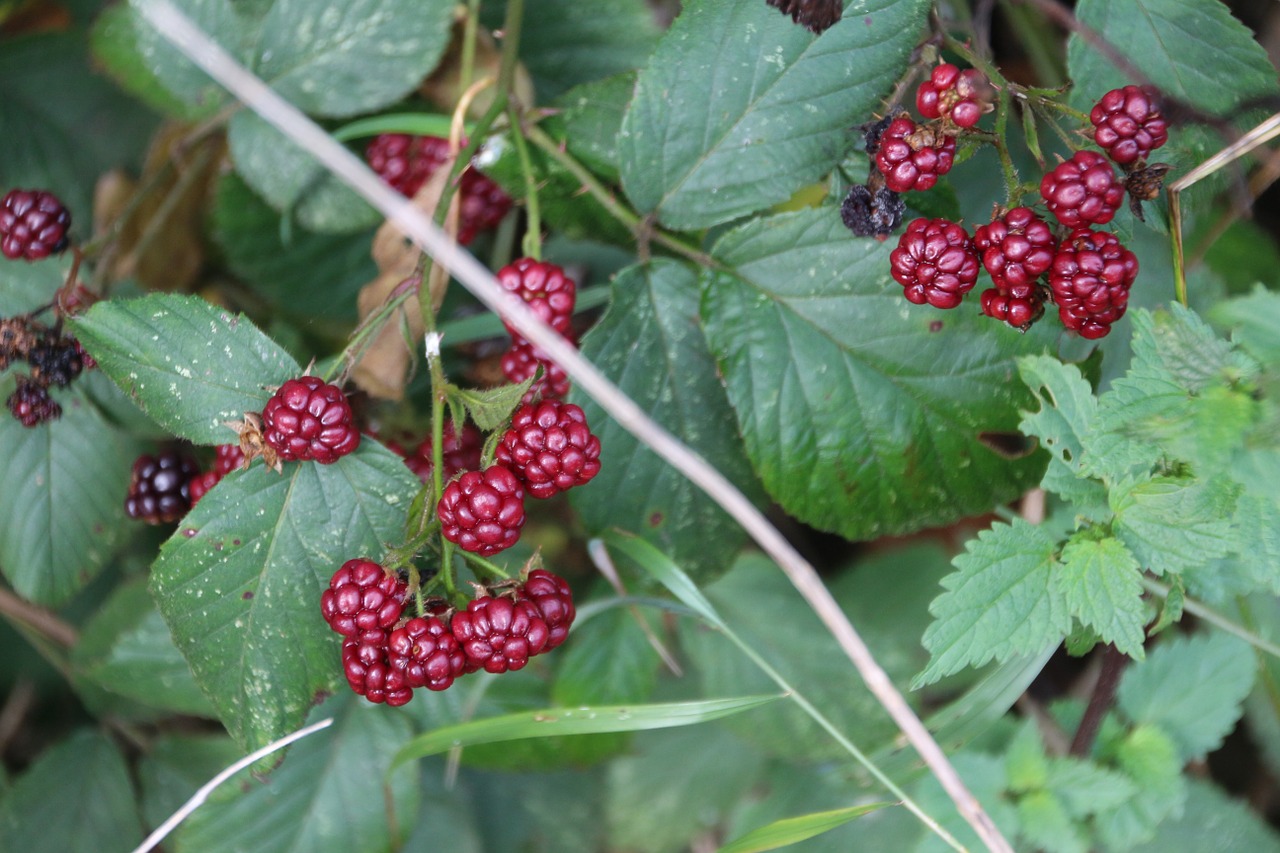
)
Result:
{"points": [[988, 339]]}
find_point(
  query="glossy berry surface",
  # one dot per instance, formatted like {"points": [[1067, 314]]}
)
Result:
{"points": [[427, 652], [33, 225], [499, 634], [160, 487], [201, 484], [460, 452], [960, 96], [1128, 125], [935, 262], [362, 596], [367, 667], [31, 404], [227, 458], [1015, 249], [308, 419], [407, 162], [1090, 278], [1082, 190], [913, 158], [553, 598], [482, 511], [522, 361], [544, 288], [1020, 307], [549, 446]]}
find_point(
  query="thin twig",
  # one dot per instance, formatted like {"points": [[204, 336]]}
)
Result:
{"points": [[37, 619], [175, 27]]}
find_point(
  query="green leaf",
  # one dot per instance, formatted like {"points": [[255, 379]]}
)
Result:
{"points": [[1255, 323], [1192, 688], [1001, 601], [127, 648], [984, 776], [76, 798], [176, 766], [1173, 524], [1211, 820], [304, 275], [292, 181], [246, 568], [666, 572], [1068, 409], [336, 791], [862, 414], [649, 343], [569, 42], [738, 107], [63, 144], [1026, 765], [1047, 826], [1100, 582], [113, 40], [577, 721], [1086, 788], [1148, 757], [792, 830], [1256, 532], [189, 365], [62, 508], [493, 407], [1177, 345], [593, 119]]}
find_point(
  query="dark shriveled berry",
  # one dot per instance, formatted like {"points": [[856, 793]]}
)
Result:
{"points": [[362, 596], [33, 225], [1083, 190], [160, 487], [1090, 277], [31, 404], [814, 15], [55, 361], [482, 511], [549, 446], [935, 262], [872, 215], [309, 419]]}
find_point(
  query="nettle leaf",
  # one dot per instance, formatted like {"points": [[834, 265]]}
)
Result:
{"points": [[1254, 322], [76, 798], [863, 415], [1178, 345], [649, 343], [493, 407], [1192, 688], [1068, 409], [127, 649], [62, 507], [1001, 601], [1085, 788], [1150, 758], [738, 107], [336, 791], [1100, 582], [238, 583], [1173, 524], [1047, 826], [1256, 532], [1223, 824], [190, 365]]}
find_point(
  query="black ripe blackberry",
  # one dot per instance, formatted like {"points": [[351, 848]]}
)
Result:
{"points": [[31, 403], [160, 487]]}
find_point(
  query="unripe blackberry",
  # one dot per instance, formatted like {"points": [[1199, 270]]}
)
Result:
{"points": [[522, 361], [309, 419], [1082, 190], [1127, 124], [553, 598], [499, 634], [460, 453], [33, 225], [958, 96], [935, 262], [31, 404], [913, 158], [201, 484], [160, 487], [482, 511], [367, 666], [1016, 248], [427, 652], [549, 446], [1020, 311], [545, 288], [362, 596], [1090, 277]]}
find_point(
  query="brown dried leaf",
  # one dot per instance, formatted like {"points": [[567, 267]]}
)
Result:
{"points": [[444, 87]]}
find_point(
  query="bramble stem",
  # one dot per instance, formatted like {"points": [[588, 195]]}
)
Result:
{"points": [[1104, 694]]}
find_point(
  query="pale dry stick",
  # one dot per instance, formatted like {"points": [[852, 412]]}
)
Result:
{"points": [[174, 26], [1263, 133], [198, 798]]}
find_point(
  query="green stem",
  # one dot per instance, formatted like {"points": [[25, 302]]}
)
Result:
{"points": [[469, 35], [1215, 618], [1011, 180], [485, 566], [532, 245]]}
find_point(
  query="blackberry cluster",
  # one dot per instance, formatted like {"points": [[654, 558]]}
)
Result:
{"points": [[407, 162], [386, 655], [54, 360], [551, 294], [33, 225], [1086, 273]]}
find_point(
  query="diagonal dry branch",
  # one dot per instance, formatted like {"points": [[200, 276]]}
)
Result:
{"points": [[174, 26]]}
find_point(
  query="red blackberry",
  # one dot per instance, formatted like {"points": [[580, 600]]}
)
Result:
{"points": [[554, 599], [228, 458], [544, 288], [913, 158], [407, 162], [958, 96], [308, 419], [935, 262], [33, 225], [362, 596], [201, 484], [1127, 124], [1083, 190], [427, 653], [482, 511], [499, 634], [1019, 306], [523, 360], [460, 452], [55, 361], [1016, 248], [550, 448], [1090, 277], [160, 487], [31, 404], [367, 666]]}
